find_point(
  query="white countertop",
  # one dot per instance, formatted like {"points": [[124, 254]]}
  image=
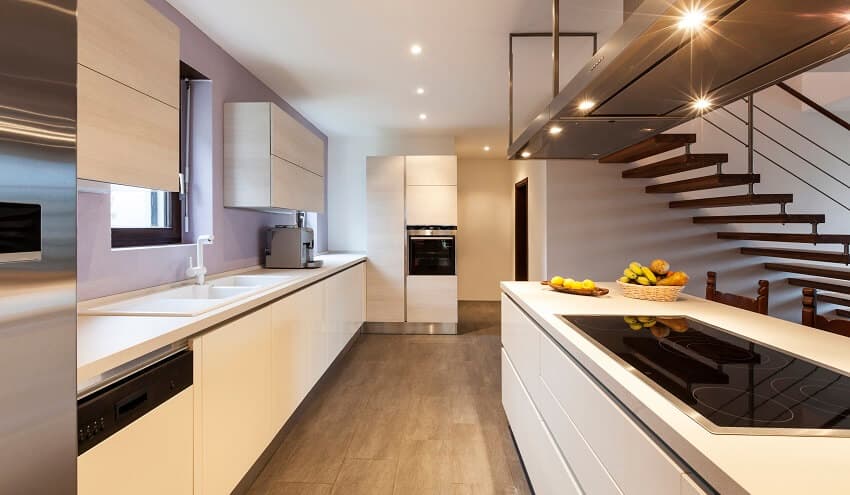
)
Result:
{"points": [[107, 342], [730, 463]]}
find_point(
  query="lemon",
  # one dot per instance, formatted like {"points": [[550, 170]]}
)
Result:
{"points": [[568, 283], [557, 281], [588, 284]]}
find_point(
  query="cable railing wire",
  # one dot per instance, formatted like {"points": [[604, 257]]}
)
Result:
{"points": [[804, 181]]}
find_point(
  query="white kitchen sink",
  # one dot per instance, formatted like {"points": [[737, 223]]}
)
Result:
{"points": [[188, 300]]}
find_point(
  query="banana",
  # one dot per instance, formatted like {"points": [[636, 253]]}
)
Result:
{"points": [[630, 273], [650, 324], [630, 319], [635, 267], [625, 279], [643, 281], [636, 326], [645, 319], [648, 274]]}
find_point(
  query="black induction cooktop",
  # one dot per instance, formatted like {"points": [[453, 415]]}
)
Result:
{"points": [[726, 383]]}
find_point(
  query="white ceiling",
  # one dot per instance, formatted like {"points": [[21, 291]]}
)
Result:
{"points": [[347, 67]]}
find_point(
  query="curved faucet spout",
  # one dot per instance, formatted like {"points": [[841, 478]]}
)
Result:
{"points": [[199, 271]]}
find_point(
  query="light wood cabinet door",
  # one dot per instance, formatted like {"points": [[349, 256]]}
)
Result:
{"points": [[233, 400], [125, 137], [131, 42], [432, 298], [247, 161], [437, 170], [385, 239], [294, 188], [431, 205], [135, 460], [295, 143]]}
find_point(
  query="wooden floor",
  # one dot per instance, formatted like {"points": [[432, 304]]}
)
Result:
{"points": [[415, 414]]}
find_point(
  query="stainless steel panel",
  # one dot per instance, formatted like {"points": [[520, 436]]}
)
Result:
{"points": [[38, 447]]}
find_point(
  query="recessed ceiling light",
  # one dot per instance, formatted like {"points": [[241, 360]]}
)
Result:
{"points": [[647, 129], [692, 20], [555, 130], [420, 90], [586, 105], [525, 154], [416, 49], [701, 103], [486, 148], [423, 116]]}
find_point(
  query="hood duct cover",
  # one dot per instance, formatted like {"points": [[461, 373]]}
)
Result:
{"points": [[644, 80]]}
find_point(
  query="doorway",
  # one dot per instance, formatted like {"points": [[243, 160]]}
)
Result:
{"points": [[521, 230]]}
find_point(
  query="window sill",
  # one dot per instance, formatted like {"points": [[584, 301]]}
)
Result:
{"points": [[157, 246]]}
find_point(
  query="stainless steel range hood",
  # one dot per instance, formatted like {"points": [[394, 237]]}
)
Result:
{"points": [[645, 79]]}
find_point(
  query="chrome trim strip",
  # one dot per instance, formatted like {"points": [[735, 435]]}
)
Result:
{"points": [[107, 378], [431, 233], [693, 413]]}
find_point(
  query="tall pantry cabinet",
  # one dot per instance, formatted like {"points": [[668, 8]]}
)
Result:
{"points": [[405, 191]]}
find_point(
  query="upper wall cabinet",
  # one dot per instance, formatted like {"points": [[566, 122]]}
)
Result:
{"points": [[128, 122], [431, 170], [271, 161]]}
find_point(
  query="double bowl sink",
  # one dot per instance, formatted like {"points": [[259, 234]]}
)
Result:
{"points": [[189, 300]]}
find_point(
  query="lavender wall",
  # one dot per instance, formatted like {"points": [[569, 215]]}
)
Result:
{"points": [[103, 271]]}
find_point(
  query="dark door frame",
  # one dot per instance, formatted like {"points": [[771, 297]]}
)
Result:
{"points": [[521, 230]]}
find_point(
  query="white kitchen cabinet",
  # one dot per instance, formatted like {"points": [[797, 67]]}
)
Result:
{"points": [[345, 299], [124, 136], [386, 239], [232, 400], [265, 167], [547, 470], [521, 340], [290, 363], [133, 460], [431, 205], [432, 298], [431, 170], [691, 487], [131, 42]]}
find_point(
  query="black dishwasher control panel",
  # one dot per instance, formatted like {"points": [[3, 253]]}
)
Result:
{"points": [[107, 411]]}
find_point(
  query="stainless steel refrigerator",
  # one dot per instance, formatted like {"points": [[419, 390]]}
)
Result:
{"points": [[38, 107]]}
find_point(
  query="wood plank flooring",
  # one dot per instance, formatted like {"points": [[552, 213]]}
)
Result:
{"points": [[406, 415]]}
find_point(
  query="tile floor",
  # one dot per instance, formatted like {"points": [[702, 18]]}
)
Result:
{"points": [[406, 415]]}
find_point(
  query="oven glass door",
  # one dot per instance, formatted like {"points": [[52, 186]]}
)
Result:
{"points": [[431, 255]]}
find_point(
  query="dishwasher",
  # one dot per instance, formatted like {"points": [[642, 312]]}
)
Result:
{"points": [[135, 436]]}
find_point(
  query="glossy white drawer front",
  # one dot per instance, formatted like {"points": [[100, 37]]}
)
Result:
{"points": [[636, 463], [521, 340], [547, 470]]}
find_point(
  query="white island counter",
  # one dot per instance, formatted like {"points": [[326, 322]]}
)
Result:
{"points": [[608, 459]]}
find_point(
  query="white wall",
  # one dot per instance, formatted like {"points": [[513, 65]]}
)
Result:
{"points": [[485, 236], [346, 180], [535, 172]]}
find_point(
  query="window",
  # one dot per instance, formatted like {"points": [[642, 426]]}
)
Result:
{"points": [[144, 217]]}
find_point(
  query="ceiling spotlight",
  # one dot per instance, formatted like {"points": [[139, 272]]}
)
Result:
{"points": [[423, 116], [647, 129], [701, 103], [486, 148], [692, 20], [525, 154], [416, 49], [555, 130], [586, 105], [420, 90]]}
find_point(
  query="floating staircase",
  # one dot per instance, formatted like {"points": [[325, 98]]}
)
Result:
{"points": [[688, 161]]}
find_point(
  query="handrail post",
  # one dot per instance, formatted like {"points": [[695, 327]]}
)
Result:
{"points": [[750, 139]]}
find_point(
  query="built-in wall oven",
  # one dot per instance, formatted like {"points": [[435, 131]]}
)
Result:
{"points": [[431, 249]]}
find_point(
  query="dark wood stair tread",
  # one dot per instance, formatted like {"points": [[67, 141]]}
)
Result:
{"points": [[761, 219], [816, 284], [741, 200], [840, 301], [707, 182], [777, 237], [843, 312], [649, 147], [675, 165], [825, 256], [814, 270]]}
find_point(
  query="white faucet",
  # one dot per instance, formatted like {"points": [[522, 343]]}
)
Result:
{"points": [[199, 271]]}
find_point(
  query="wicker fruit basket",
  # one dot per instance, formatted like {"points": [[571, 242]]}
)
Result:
{"points": [[660, 293]]}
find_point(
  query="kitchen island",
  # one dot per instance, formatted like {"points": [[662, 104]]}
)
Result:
{"points": [[585, 423]]}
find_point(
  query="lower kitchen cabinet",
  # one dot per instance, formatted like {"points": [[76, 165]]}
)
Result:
{"points": [[432, 298], [233, 400], [253, 372], [151, 455], [561, 417]]}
